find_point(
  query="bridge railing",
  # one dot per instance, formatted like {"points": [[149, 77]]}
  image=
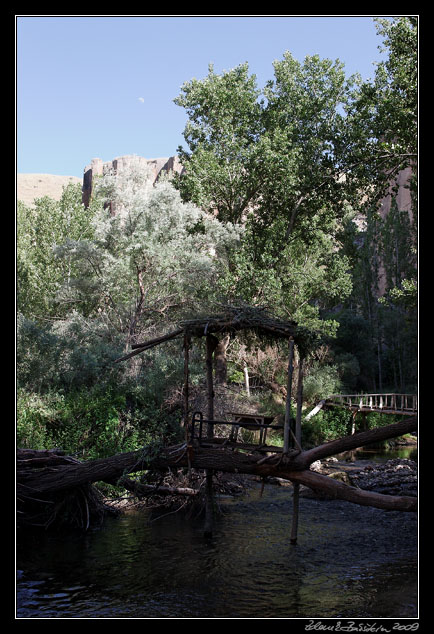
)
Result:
{"points": [[405, 403]]}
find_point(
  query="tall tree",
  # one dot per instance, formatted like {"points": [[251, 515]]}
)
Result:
{"points": [[383, 117], [274, 157], [41, 276], [271, 162], [224, 136], [151, 259]]}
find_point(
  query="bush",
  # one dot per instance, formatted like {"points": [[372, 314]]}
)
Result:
{"points": [[34, 414], [93, 422], [325, 426], [321, 382]]}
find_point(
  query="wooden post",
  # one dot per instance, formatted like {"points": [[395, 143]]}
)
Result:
{"points": [[246, 380], [210, 347], [353, 421], [295, 507], [287, 422], [186, 376], [299, 401], [296, 486], [211, 343]]}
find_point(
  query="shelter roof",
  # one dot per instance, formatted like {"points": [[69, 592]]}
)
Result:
{"points": [[232, 319]]}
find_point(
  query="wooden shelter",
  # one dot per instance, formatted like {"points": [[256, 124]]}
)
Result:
{"points": [[232, 321], [47, 481]]}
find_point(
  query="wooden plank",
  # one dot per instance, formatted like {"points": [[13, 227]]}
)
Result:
{"points": [[154, 342], [288, 398], [186, 384], [211, 344], [226, 443]]}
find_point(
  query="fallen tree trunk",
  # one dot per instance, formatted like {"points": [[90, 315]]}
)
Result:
{"points": [[52, 478], [76, 506], [347, 443]]}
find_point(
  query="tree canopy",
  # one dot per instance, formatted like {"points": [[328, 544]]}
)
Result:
{"points": [[277, 208]]}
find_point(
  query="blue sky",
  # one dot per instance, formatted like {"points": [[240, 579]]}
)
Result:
{"points": [[103, 86]]}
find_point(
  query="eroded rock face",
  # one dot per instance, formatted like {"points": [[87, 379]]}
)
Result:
{"points": [[155, 166]]}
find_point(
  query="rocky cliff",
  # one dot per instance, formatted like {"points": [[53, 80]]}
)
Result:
{"points": [[32, 186], [97, 167]]}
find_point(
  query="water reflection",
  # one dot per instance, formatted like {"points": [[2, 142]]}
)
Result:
{"points": [[133, 568]]}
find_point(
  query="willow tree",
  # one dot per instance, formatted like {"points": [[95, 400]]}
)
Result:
{"points": [[151, 259]]}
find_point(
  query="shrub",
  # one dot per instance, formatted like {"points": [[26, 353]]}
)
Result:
{"points": [[325, 426], [34, 414], [321, 382]]}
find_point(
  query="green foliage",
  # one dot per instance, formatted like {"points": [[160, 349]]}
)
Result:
{"points": [[382, 131], [274, 152], [223, 135], [272, 163], [71, 353], [151, 260], [321, 382], [91, 423], [326, 426], [298, 283], [34, 414], [335, 423], [405, 296], [40, 275], [276, 207]]}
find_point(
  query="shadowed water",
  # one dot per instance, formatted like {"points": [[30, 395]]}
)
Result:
{"points": [[350, 561]]}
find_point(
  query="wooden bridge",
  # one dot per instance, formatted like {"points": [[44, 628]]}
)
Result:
{"points": [[388, 403]]}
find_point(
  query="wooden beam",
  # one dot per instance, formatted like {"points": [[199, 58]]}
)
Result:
{"points": [[157, 340], [186, 385], [211, 344], [141, 347], [286, 432], [299, 400], [296, 490], [315, 410], [347, 443]]}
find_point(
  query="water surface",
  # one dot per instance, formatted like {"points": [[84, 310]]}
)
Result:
{"points": [[350, 561]]}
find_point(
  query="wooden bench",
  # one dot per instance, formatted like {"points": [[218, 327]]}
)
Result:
{"points": [[255, 422]]}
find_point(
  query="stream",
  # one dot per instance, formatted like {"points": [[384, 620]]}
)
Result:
{"points": [[349, 562]]}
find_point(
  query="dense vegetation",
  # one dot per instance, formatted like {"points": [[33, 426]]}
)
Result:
{"points": [[278, 206]]}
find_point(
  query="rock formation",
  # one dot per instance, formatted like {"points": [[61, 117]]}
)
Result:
{"points": [[97, 167], [404, 204]]}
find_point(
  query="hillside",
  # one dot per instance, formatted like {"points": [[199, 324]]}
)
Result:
{"points": [[31, 186]]}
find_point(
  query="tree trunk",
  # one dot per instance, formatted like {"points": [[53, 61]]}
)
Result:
{"points": [[221, 369], [49, 477]]}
